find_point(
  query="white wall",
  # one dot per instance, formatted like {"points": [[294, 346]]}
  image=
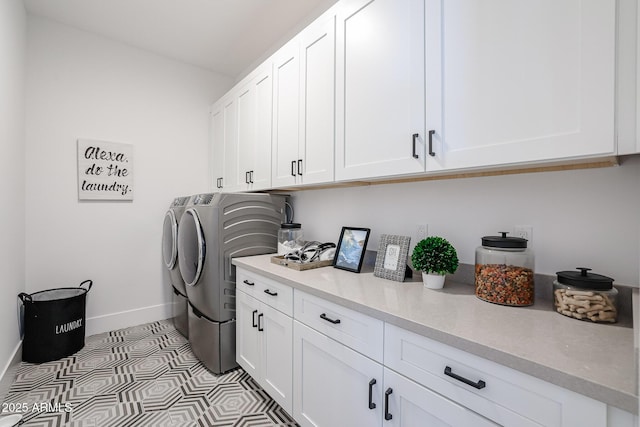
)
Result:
{"points": [[13, 27], [80, 85], [587, 218]]}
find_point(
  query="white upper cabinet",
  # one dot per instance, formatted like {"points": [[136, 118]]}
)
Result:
{"points": [[254, 130], [286, 104], [230, 181], [217, 146], [519, 81], [241, 134], [303, 106], [317, 100], [389, 88], [380, 88]]}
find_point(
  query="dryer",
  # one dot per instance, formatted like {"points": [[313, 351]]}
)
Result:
{"points": [[214, 229], [171, 263]]}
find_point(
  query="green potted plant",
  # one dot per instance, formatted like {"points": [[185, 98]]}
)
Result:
{"points": [[435, 257]]}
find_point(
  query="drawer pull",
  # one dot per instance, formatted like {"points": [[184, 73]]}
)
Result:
{"points": [[248, 283], [479, 385], [371, 384], [268, 292], [260, 328], [334, 321], [387, 415], [255, 325]]}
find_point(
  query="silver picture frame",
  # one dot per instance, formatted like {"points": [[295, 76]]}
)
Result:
{"points": [[391, 260]]}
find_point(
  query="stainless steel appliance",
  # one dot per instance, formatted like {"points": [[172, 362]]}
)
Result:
{"points": [[214, 229], [171, 262]]}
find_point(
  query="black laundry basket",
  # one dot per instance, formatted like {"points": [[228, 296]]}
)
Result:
{"points": [[54, 323]]}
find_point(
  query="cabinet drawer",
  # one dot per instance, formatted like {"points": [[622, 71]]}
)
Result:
{"points": [[355, 330], [270, 292], [501, 394]]}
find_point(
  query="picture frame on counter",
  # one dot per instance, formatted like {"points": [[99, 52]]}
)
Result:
{"points": [[351, 248], [391, 260]]}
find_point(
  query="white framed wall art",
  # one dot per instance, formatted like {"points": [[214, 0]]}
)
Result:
{"points": [[105, 170]]}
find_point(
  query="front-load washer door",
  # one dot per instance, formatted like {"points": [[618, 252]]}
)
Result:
{"points": [[191, 247], [170, 240]]}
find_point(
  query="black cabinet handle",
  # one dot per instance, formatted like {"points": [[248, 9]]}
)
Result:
{"points": [[371, 384], [251, 177], [479, 385], [255, 325], [431, 152], [300, 167], [268, 292], [324, 317], [293, 165], [219, 183], [413, 147], [246, 177], [387, 415], [260, 328], [246, 282]]}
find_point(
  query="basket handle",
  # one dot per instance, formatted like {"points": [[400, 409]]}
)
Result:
{"points": [[87, 281], [25, 297]]}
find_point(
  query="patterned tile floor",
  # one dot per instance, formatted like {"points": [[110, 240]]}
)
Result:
{"points": [[143, 376]]}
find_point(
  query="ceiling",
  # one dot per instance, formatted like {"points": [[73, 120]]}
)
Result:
{"points": [[224, 36]]}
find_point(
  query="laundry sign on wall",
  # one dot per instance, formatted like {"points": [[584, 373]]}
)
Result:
{"points": [[105, 170]]}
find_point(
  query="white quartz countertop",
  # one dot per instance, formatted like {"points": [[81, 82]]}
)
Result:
{"points": [[596, 360]]}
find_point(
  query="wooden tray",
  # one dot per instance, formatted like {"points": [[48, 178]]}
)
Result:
{"points": [[279, 259]]}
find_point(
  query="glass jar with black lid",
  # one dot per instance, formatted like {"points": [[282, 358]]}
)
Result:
{"points": [[290, 237], [585, 296], [504, 270]]}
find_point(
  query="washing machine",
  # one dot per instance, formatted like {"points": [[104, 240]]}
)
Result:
{"points": [[171, 263], [214, 229]]}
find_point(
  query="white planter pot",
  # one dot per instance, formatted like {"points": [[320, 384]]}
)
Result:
{"points": [[433, 281]]}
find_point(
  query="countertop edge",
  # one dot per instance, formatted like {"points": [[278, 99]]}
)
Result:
{"points": [[610, 396]]}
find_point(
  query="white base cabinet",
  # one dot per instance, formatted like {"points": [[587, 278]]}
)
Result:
{"points": [[500, 394], [408, 404], [331, 366], [331, 382], [264, 336]]}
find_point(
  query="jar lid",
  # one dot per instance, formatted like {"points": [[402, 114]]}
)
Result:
{"points": [[504, 241], [583, 279], [287, 225]]}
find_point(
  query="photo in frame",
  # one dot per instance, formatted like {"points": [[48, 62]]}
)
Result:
{"points": [[391, 260], [352, 246]]}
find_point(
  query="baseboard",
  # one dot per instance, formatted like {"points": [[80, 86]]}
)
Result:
{"points": [[125, 319], [9, 371]]}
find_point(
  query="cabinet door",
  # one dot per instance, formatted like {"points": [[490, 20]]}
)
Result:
{"points": [[246, 134], [331, 382], [217, 146], [230, 124], [247, 345], [519, 81], [410, 405], [277, 356], [286, 94], [260, 177], [380, 88], [254, 101], [317, 101]]}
